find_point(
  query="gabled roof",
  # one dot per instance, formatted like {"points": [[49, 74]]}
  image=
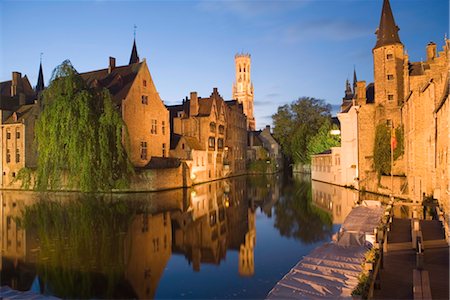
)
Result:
{"points": [[191, 142], [118, 81], [387, 32], [23, 86], [205, 105], [23, 113]]}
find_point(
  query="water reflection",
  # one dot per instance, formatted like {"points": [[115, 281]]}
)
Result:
{"points": [[336, 200], [120, 246], [297, 217]]}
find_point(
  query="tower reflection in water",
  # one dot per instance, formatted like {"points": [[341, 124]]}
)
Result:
{"points": [[118, 246]]}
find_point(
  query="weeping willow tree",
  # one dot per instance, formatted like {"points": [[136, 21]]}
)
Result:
{"points": [[79, 136]]}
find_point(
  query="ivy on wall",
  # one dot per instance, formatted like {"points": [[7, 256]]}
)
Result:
{"points": [[382, 148]]}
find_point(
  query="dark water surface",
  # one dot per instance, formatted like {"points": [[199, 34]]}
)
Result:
{"points": [[232, 238]]}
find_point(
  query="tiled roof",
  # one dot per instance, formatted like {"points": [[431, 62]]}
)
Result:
{"points": [[387, 33], [193, 143], [24, 86], [22, 114], [418, 68], [118, 82]]}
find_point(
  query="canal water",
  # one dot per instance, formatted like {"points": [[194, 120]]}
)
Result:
{"points": [[232, 238]]}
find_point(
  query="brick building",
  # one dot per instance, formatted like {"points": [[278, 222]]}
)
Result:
{"points": [[19, 110], [202, 120], [411, 97], [134, 93]]}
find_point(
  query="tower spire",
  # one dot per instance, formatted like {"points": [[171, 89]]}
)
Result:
{"points": [[355, 80], [387, 32], [134, 58], [40, 81]]}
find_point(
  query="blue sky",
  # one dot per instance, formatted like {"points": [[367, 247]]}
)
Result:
{"points": [[299, 48]]}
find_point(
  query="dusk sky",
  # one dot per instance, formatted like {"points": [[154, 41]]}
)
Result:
{"points": [[298, 48]]}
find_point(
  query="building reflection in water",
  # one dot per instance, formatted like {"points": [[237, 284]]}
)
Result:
{"points": [[336, 200], [119, 246]]}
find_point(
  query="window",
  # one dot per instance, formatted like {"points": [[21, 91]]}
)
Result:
{"points": [[212, 142], [8, 135], [390, 97], [220, 143], [212, 127], [163, 127], [17, 156], [143, 150], [203, 162], [154, 129], [221, 129], [163, 150], [144, 82], [390, 77], [144, 99], [17, 134], [8, 156], [182, 146], [389, 56]]}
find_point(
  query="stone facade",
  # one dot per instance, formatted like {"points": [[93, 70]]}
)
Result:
{"points": [[145, 115], [262, 147], [412, 96], [349, 146], [19, 111], [18, 144], [236, 139], [326, 166], [243, 87], [203, 119], [408, 96]]}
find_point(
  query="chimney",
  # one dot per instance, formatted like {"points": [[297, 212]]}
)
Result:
{"points": [[361, 91], [112, 64], [193, 104], [431, 51], [268, 128], [16, 76]]}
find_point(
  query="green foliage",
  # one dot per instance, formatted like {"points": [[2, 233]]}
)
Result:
{"points": [[400, 137], [297, 123], [323, 140], [77, 240], [296, 216], [362, 288], [24, 176], [382, 148], [79, 136], [259, 166]]}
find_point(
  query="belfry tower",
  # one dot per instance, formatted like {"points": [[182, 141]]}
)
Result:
{"points": [[243, 87]]}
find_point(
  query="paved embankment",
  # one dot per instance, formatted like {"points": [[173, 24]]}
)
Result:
{"points": [[332, 270], [401, 260]]}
